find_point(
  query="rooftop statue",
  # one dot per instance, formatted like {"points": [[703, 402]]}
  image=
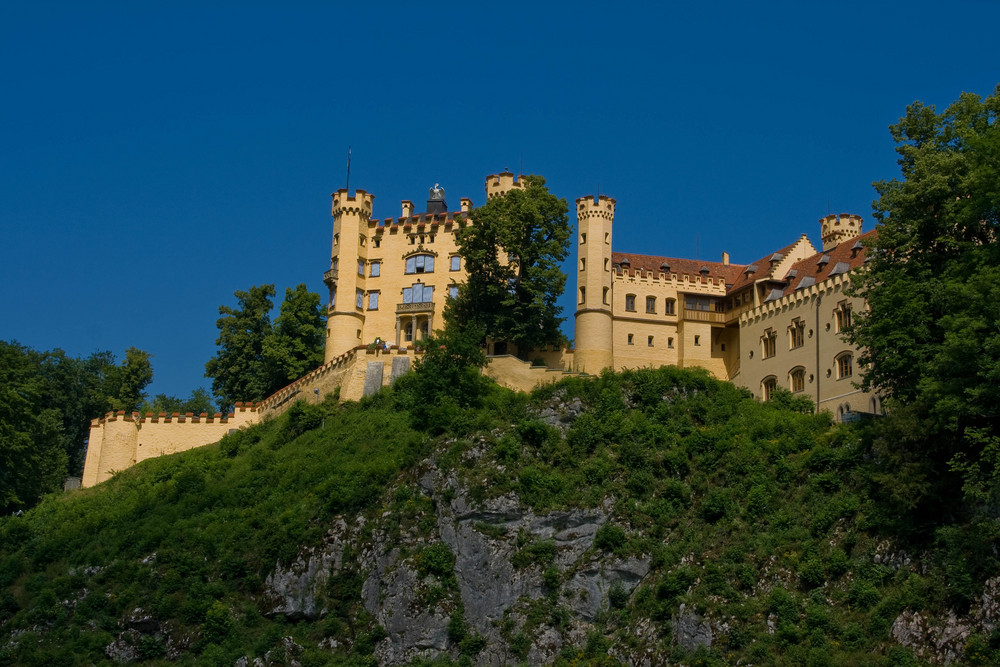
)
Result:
{"points": [[437, 192]]}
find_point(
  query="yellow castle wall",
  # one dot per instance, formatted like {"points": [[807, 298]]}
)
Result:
{"points": [[119, 441], [816, 307]]}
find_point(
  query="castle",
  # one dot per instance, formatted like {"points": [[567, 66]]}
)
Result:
{"points": [[776, 322]]}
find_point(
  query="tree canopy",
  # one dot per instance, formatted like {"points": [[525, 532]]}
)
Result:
{"points": [[931, 338], [47, 400], [512, 251], [256, 357]]}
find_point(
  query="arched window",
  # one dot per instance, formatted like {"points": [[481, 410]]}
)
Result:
{"points": [[845, 365], [797, 379], [767, 387], [420, 264]]}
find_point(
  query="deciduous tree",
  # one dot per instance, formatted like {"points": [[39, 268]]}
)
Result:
{"points": [[512, 251], [931, 338]]}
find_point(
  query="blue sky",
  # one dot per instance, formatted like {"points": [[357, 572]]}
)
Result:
{"points": [[156, 157]]}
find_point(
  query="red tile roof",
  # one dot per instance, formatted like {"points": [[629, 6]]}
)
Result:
{"points": [[844, 252]]}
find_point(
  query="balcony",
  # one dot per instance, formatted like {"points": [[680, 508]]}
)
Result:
{"points": [[330, 276], [704, 316], [423, 307]]}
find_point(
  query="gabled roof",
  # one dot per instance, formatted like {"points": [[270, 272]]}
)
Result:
{"points": [[844, 258]]}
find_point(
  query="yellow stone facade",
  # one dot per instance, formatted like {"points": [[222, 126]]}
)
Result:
{"points": [[772, 323]]}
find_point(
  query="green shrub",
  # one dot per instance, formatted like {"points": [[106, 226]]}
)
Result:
{"points": [[610, 537], [436, 559]]}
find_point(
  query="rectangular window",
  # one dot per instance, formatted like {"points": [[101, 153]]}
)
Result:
{"points": [[796, 334], [668, 307], [798, 380], [670, 342], [630, 303], [649, 341], [699, 303], [605, 296], [767, 342], [420, 264], [843, 314], [453, 291], [583, 295], [376, 269], [456, 263], [360, 299], [650, 304], [373, 301], [697, 340], [630, 339], [361, 267], [418, 293]]}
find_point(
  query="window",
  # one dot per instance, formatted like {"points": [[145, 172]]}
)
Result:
{"points": [[583, 239], [650, 304], [796, 334], [699, 303], [361, 267], [768, 386], [583, 295], [605, 296], [583, 263], [670, 342], [767, 343], [649, 341], [418, 293], [797, 380], [845, 366], [334, 263], [333, 296], [373, 301], [453, 291], [697, 340], [420, 264], [630, 339], [377, 242], [843, 315], [630, 302], [408, 331], [456, 263], [669, 306], [375, 269], [360, 298]]}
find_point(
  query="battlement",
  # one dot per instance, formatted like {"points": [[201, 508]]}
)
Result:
{"points": [[502, 183], [835, 229], [595, 207], [361, 204], [177, 417]]}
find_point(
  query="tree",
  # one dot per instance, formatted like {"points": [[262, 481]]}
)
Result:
{"points": [[257, 358], [512, 251], [199, 401], [295, 345], [134, 374], [238, 370], [931, 337]]}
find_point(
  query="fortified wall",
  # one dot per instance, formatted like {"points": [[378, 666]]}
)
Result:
{"points": [[119, 440]]}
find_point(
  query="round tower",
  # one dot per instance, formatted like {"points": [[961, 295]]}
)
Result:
{"points": [[345, 278], [593, 345], [835, 229]]}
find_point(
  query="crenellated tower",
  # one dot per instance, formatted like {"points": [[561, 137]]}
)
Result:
{"points": [[593, 346], [502, 183], [346, 276], [835, 229]]}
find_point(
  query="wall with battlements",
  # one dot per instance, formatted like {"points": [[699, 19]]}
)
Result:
{"points": [[119, 440]]}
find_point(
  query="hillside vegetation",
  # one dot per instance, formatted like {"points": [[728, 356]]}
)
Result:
{"points": [[723, 530]]}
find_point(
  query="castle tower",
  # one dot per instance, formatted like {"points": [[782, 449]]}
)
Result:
{"points": [[835, 229], [501, 184], [593, 347], [346, 276]]}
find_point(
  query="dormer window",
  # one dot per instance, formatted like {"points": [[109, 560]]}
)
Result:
{"points": [[822, 261], [665, 267]]}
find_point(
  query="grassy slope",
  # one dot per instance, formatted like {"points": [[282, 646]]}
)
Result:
{"points": [[754, 514]]}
